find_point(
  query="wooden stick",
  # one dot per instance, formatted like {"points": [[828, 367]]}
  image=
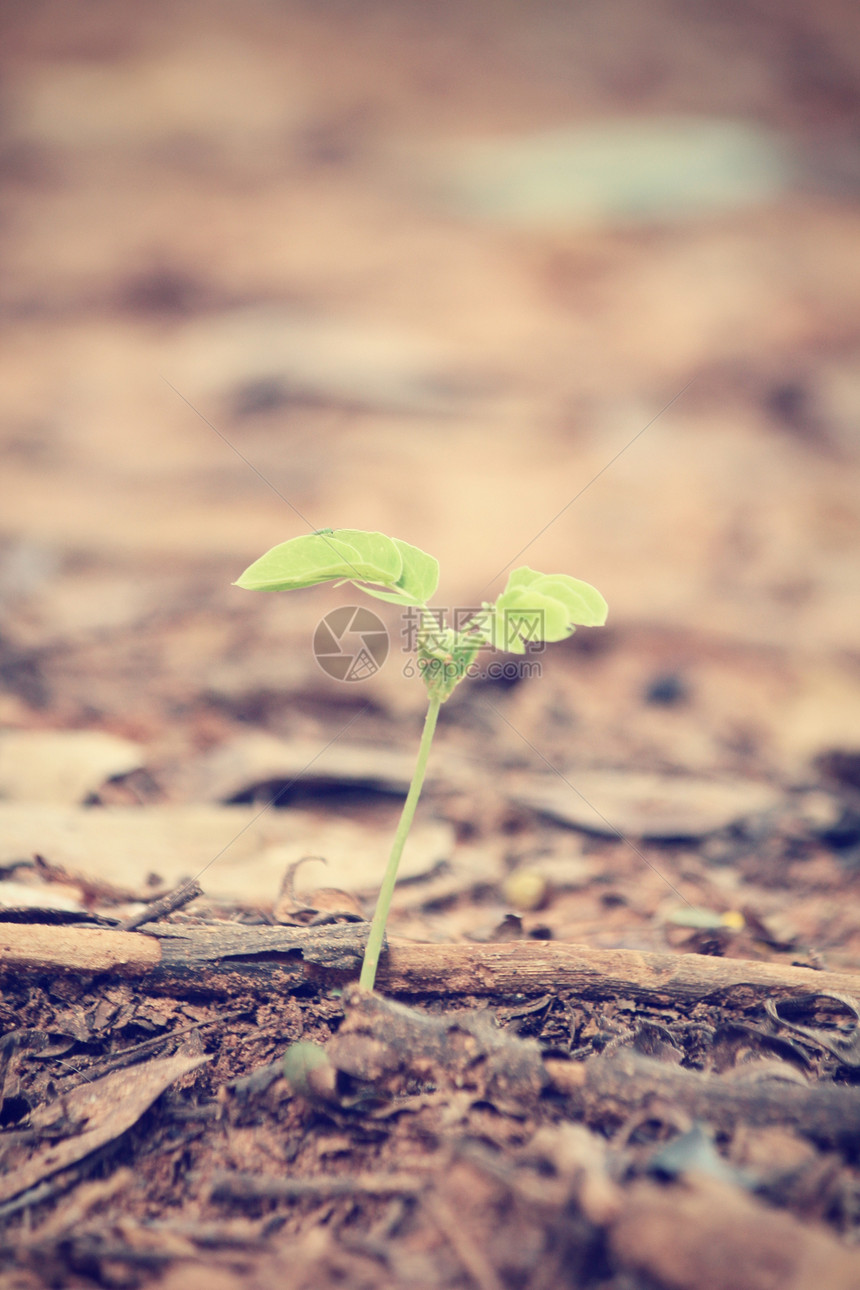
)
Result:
{"points": [[613, 1086], [534, 967], [214, 953], [36, 947], [168, 904]]}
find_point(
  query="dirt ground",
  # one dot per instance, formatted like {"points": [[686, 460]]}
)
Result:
{"points": [[568, 286]]}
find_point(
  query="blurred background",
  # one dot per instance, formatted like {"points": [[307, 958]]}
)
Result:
{"points": [[569, 285]]}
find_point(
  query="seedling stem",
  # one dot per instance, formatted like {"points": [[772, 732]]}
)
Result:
{"points": [[386, 891]]}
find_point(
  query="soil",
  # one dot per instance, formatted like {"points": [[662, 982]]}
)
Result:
{"points": [[258, 278]]}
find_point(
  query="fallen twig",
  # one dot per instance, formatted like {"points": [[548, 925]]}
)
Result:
{"points": [[156, 909], [215, 952], [610, 1087]]}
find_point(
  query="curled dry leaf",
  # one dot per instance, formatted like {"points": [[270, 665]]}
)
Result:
{"points": [[842, 1043], [321, 904]]}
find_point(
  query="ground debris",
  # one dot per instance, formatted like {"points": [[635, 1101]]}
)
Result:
{"points": [[705, 1234], [608, 1087], [229, 195], [381, 1041], [245, 1186], [90, 1116]]}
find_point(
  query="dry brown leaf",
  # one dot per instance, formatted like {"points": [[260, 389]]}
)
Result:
{"points": [[62, 766], [643, 805], [239, 852], [101, 1111]]}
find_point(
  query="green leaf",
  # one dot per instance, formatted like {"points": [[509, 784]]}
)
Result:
{"points": [[379, 559], [418, 579], [585, 603], [544, 607], [301, 562], [420, 574], [321, 557], [525, 616], [587, 606], [522, 577]]}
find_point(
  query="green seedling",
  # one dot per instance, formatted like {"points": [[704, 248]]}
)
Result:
{"points": [[533, 608]]}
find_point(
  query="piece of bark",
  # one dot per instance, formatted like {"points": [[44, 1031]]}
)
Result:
{"points": [[610, 1087], [172, 950]]}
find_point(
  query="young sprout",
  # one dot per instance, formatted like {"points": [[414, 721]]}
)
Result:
{"points": [[534, 607]]}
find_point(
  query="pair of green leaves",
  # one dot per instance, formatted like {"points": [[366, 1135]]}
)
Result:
{"points": [[543, 607], [533, 607], [398, 572]]}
